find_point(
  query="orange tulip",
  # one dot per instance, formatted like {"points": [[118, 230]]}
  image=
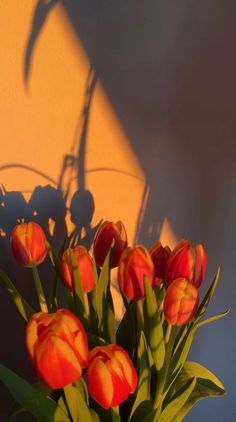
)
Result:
{"points": [[135, 263], [188, 262], [111, 375], [85, 267], [108, 232], [57, 346], [181, 302], [28, 243], [160, 257]]}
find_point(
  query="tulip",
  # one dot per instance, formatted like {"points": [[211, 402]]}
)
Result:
{"points": [[57, 346], [85, 267], [111, 375], [135, 263], [188, 262], [160, 257], [28, 243], [181, 302], [108, 232]]}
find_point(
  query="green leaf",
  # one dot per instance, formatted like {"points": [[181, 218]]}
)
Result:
{"points": [[160, 294], [52, 300], [172, 409], [82, 387], [110, 319], [78, 408], [56, 262], [127, 328], [206, 300], [155, 331], [142, 404], [207, 385], [101, 293], [43, 408], [180, 355], [62, 404], [23, 307], [213, 318]]}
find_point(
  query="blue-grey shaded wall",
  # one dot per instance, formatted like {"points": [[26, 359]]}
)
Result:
{"points": [[169, 69]]}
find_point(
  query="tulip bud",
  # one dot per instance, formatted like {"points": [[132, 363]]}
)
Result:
{"points": [[111, 375], [57, 346], [28, 243], [135, 263], [108, 232], [85, 267], [160, 257], [181, 302], [188, 262]]}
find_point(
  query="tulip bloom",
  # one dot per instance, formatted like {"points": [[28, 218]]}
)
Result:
{"points": [[85, 267], [108, 232], [160, 257], [57, 346], [28, 243], [181, 302], [188, 262], [135, 263], [111, 375]]}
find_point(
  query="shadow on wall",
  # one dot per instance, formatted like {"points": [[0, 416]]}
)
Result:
{"points": [[48, 206]]}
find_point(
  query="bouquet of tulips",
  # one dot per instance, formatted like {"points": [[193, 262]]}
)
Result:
{"points": [[91, 367]]}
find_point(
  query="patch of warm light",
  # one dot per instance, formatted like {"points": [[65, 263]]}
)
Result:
{"points": [[167, 235]]}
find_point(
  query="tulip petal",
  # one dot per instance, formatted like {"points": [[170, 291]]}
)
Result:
{"points": [[127, 367], [200, 265], [180, 302], [56, 363], [120, 385], [181, 262], [100, 383]]}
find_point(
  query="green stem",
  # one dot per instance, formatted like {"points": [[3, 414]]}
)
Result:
{"points": [[39, 290], [86, 307], [115, 414], [167, 334]]}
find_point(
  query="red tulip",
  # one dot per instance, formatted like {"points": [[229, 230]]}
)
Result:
{"points": [[111, 376], [188, 262], [28, 243], [134, 264], [160, 257], [57, 346], [108, 232], [181, 302], [85, 267]]}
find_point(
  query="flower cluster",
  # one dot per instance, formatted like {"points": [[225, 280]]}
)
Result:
{"points": [[145, 358]]}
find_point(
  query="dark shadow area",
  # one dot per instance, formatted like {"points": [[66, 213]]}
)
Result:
{"points": [[169, 70], [41, 13]]}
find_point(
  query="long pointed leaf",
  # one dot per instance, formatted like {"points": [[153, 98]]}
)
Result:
{"points": [[22, 305], [155, 331], [143, 403], [206, 300], [30, 398], [172, 409], [207, 385], [213, 318]]}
